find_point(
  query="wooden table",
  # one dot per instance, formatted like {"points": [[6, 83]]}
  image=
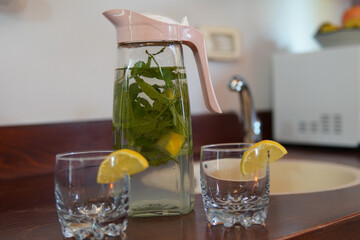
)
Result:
{"points": [[27, 204], [27, 211]]}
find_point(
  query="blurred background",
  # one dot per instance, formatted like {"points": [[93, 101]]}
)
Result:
{"points": [[58, 58]]}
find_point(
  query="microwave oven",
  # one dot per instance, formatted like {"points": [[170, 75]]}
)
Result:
{"points": [[316, 97]]}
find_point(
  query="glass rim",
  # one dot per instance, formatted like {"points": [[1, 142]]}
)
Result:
{"points": [[226, 147], [83, 155]]}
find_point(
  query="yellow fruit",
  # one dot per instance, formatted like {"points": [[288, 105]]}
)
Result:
{"points": [[328, 27], [118, 163], [352, 23], [253, 160], [275, 149], [170, 93], [259, 154], [171, 142]]}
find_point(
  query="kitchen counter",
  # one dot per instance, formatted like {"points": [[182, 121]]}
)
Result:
{"points": [[27, 203]]}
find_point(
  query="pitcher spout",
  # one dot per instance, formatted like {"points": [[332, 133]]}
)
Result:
{"points": [[118, 17]]}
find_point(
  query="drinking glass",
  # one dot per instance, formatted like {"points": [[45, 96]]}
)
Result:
{"points": [[87, 209], [229, 197]]}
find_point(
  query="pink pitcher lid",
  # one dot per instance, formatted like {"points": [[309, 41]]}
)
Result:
{"points": [[135, 27]]}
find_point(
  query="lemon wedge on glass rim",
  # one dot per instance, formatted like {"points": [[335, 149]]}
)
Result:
{"points": [[256, 157], [120, 162]]}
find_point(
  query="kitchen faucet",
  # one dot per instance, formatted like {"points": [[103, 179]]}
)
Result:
{"points": [[252, 126]]}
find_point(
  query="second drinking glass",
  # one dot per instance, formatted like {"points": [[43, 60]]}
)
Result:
{"points": [[231, 195]]}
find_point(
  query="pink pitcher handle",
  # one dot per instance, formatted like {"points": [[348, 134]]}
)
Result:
{"points": [[195, 40]]}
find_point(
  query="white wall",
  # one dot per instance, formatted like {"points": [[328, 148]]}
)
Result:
{"points": [[57, 58]]}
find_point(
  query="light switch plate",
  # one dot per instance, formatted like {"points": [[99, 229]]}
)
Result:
{"points": [[222, 43]]}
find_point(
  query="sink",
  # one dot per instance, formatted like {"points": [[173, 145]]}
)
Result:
{"points": [[294, 176], [305, 176]]}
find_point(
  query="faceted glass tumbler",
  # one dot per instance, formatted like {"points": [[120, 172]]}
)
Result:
{"points": [[229, 196], [87, 209]]}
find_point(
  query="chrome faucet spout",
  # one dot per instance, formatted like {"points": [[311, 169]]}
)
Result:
{"points": [[252, 126]]}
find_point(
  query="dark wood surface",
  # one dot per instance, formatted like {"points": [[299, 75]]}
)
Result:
{"points": [[27, 204]]}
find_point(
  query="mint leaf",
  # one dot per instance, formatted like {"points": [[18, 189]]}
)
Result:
{"points": [[134, 90], [178, 122], [151, 92]]}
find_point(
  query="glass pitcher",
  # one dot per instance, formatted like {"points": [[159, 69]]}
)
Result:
{"points": [[151, 114]]}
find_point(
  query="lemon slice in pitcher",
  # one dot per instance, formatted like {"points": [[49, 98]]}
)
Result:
{"points": [[120, 162], [255, 158], [171, 142]]}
